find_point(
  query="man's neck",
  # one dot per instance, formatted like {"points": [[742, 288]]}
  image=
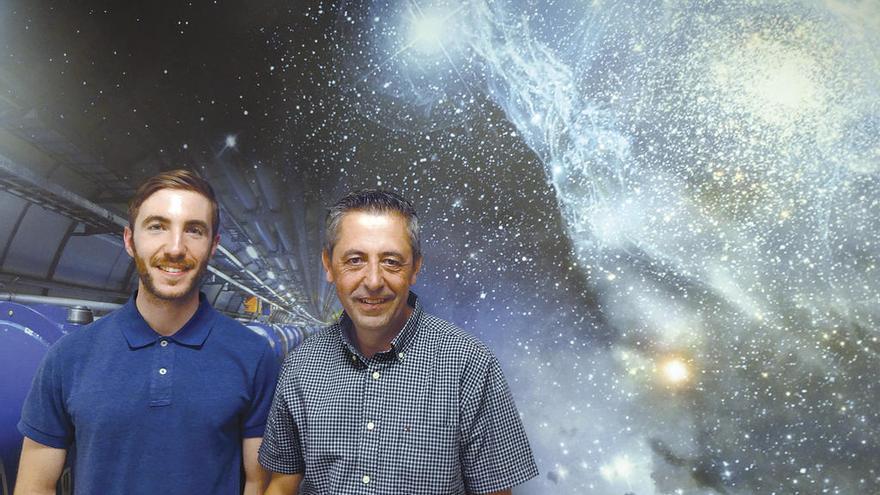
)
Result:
{"points": [[371, 343], [166, 317]]}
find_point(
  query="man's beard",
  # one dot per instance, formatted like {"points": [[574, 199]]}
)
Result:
{"points": [[150, 285]]}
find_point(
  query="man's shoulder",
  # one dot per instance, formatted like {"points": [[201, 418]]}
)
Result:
{"points": [[452, 340], [319, 342], [85, 339], [314, 353], [239, 335]]}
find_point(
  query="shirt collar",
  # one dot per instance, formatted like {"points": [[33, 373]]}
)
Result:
{"points": [[400, 342], [139, 334]]}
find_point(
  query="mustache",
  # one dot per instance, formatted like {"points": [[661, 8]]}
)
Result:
{"points": [[177, 262], [363, 295]]}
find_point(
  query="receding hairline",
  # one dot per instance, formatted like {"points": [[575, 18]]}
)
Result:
{"points": [[376, 210], [373, 201]]}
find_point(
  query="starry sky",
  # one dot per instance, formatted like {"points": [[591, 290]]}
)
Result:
{"points": [[661, 216]]}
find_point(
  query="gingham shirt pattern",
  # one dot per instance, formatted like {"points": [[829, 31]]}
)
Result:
{"points": [[433, 415]]}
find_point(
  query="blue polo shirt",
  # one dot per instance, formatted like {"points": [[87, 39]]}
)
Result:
{"points": [[151, 414]]}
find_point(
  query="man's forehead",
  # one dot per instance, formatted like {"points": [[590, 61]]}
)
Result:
{"points": [[176, 203], [371, 218], [373, 230]]}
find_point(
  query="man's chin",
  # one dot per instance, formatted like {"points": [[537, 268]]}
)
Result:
{"points": [[371, 323], [171, 294]]}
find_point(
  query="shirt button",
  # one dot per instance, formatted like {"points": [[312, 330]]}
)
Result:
{"points": [[365, 479], [375, 375], [162, 371], [371, 425], [401, 355], [163, 343]]}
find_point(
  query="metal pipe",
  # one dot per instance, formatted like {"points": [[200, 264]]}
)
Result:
{"points": [[266, 235], [238, 183], [60, 301], [268, 182], [10, 168]]}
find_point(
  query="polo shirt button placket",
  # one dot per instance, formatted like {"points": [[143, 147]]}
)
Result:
{"points": [[163, 343], [163, 381]]}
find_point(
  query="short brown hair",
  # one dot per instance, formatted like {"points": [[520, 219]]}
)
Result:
{"points": [[373, 201], [174, 179]]}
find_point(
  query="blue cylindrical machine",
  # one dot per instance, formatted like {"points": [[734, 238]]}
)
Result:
{"points": [[283, 338], [25, 336], [296, 335]]}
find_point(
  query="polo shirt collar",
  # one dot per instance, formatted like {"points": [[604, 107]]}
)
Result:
{"points": [[139, 334], [400, 342]]}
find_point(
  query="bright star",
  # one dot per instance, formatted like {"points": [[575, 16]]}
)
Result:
{"points": [[426, 33], [675, 371]]}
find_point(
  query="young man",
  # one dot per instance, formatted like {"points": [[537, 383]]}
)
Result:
{"points": [[390, 399], [164, 395]]}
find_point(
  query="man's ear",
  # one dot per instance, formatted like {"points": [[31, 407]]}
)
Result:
{"points": [[325, 260], [215, 244], [418, 266], [127, 239]]}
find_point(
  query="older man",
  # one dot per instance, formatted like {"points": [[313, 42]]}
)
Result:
{"points": [[164, 395], [390, 399]]}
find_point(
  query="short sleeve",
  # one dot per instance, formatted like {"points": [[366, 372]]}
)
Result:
{"points": [[281, 450], [44, 417], [495, 454], [265, 377]]}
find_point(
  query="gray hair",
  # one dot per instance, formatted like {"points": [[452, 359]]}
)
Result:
{"points": [[373, 201]]}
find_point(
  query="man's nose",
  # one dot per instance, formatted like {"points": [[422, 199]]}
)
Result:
{"points": [[373, 279], [175, 246]]}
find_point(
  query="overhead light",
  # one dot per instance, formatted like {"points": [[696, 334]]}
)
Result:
{"points": [[271, 275], [280, 286], [252, 252]]}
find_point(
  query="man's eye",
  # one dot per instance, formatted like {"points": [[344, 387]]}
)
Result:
{"points": [[354, 261], [154, 226], [196, 230], [393, 262]]}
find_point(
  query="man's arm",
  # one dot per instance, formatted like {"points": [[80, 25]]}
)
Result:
{"points": [[495, 450], [284, 484], [39, 468], [254, 474]]}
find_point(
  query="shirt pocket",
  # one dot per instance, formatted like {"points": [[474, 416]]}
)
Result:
{"points": [[430, 457]]}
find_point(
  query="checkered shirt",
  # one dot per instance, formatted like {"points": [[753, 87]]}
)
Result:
{"points": [[433, 415]]}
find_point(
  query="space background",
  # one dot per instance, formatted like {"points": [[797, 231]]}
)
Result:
{"points": [[661, 216]]}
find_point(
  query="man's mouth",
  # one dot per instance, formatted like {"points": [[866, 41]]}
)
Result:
{"points": [[173, 269], [373, 301]]}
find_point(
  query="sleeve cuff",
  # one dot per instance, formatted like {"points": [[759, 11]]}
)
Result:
{"points": [[276, 466], [254, 431], [41, 437]]}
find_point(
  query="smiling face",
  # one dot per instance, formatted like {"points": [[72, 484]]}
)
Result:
{"points": [[373, 267], [171, 243]]}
